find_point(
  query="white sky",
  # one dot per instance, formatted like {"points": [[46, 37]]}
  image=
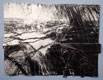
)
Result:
{"points": [[33, 12]]}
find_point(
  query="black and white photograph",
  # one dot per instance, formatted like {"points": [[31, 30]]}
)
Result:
{"points": [[51, 39]]}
